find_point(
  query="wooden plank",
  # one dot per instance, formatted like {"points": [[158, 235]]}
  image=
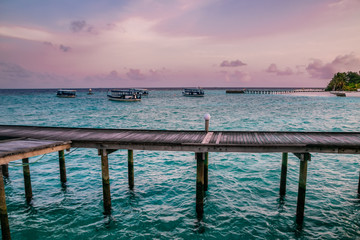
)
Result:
{"points": [[207, 138], [27, 154], [218, 138]]}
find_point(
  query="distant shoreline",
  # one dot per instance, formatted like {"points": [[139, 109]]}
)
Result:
{"points": [[170, 88]]}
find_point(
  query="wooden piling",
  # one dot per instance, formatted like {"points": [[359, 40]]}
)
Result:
{"points": [[105, 182], [62, 166], [206, 161], [5, 228], [200, 157], [206, 171], [304, 157], [359, 186], [5, 170], [27, 180], [283, 174], [131, 169]]}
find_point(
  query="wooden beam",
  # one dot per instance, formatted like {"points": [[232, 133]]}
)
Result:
{"points": [[62, 166], [200, 157], [5, 228], [105, 182], [359, 186], [284, 165], [5, 170], [304, 158], [7, 159], [131, 169], [27, 180], [206, 171]]}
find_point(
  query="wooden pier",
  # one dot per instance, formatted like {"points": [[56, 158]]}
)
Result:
{"points": [[273, 91], [22, 142]]}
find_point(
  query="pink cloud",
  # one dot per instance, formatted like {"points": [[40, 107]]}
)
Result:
{"points": [[135, 74], [235, 63], [79, 26], [236, 76], [317, 69], [274, 69]]}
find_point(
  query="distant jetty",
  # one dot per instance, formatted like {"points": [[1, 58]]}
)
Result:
{"points": [[235, 91], [273, 90]]}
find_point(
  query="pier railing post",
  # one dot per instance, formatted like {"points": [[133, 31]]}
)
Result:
{"points": [[27, 180], [284, 165], [62, 166], [200, 157], [5, 228], [105, 181], [206, 161], [304, 158], [131, 169], [5, 170]]}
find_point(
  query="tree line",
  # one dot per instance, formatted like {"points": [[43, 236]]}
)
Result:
{"points": [[342, 81]]}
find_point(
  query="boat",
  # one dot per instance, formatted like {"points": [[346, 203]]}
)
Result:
{"points": [[66, 93], [340, 94], [143, 92], [90, 92], [235, 91], [193, 92], [128, 95]]}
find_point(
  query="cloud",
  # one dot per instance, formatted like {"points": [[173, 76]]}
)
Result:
{"points": [[15, 76], [317, 69], [64, 48], [81, 26], [235, 63], [135, 74], [236, 76], [61, 47], [274, 69]]}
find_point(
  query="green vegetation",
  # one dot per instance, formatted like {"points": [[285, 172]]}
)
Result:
{"points": [[349, 81]]}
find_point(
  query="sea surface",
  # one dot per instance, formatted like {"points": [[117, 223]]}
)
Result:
{"points": [[242, 201]]}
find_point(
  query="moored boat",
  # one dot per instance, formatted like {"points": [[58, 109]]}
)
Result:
{"points": [[143, 92], [128, 95], [193, 92], [66, 93], [90, 92]]}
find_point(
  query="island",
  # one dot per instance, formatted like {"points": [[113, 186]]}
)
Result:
{"points": [[342, 81]]}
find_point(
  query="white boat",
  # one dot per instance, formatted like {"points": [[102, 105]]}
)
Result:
{"points": [[193, 92], [143, 92], [66, 93], [90, 92], [124, 95]]}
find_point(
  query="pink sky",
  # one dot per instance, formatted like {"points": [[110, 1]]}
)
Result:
{"points": [[153, 43]]}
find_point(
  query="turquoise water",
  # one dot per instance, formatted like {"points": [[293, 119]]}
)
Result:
{"points": [[242, 201]]}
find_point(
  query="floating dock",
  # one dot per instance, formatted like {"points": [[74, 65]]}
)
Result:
{"points": [[22, 142]]}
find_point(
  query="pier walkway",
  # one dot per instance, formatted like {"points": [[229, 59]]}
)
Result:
{"points": [[22, 142]]}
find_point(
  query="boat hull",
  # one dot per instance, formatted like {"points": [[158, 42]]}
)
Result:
{"points": [[124, 99], [63, 96], [195, 95]]}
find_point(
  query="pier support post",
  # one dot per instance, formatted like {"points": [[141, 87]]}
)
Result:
{"points": [[131, 168], [200, 157], [62, 166], [105, 181], [5, 228], [206, 171], [304, 158], [27, 180], [206, 161], [284, 165], [5, 170], [359, 186]]}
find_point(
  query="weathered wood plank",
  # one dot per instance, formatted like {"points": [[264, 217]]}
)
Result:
{"points": [[332, 142]]}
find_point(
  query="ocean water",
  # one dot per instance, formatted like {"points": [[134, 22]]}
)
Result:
{"points": [[242, 201]]}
